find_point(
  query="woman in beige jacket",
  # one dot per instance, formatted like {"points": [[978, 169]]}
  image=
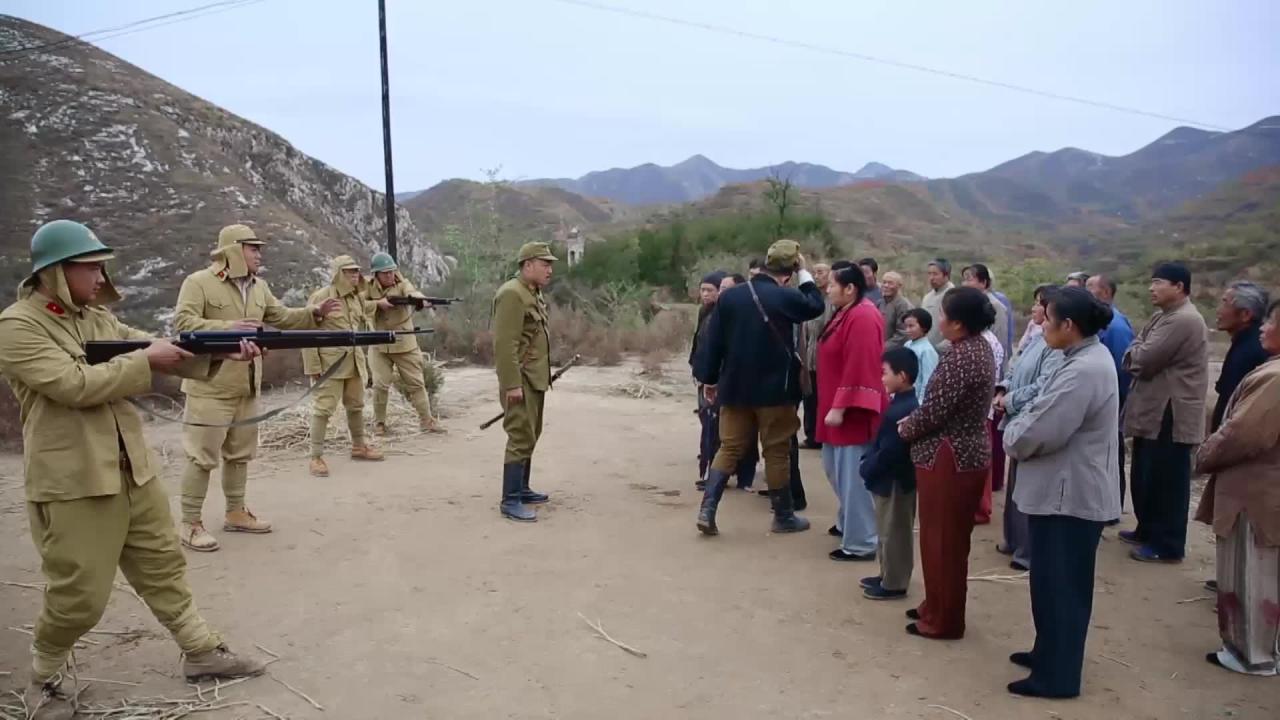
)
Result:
{"points": [[1242, 502]]}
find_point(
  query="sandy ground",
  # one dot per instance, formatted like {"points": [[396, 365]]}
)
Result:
{"points": [[396, 591]]}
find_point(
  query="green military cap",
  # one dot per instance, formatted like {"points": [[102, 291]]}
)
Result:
{"points": [[783, 256], [62, 240], [233, 234], [535, 251], [382, 262]]}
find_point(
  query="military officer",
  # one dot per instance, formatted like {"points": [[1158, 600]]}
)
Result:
{"points": [[228, 295], [347, 286], [92, 500], [522, 357], [404, 356]]}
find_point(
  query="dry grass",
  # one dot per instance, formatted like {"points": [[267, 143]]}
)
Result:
{"points": [[290, 431]]}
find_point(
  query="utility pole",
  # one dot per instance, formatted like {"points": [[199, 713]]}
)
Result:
{"points": [[386, 131]]}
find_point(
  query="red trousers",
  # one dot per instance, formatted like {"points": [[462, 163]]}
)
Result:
{"points": [[948, 500], [983, 516]]}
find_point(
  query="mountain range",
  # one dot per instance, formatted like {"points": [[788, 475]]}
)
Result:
{"points": [[156, 171]]}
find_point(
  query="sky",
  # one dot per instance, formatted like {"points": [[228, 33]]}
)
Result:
{"points": [[552, 88]]}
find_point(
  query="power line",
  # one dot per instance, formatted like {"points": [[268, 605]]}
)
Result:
{"points": [[128, 28], [802, 45]]}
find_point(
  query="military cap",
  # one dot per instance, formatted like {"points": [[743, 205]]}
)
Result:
{"points": [[535, 251], [232, 234], [783, 256]]}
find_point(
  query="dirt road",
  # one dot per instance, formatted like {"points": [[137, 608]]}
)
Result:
{"points": [[396, 591]]}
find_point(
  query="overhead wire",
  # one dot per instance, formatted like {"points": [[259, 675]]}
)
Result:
{"points": [[129, 28], [865, 57]]}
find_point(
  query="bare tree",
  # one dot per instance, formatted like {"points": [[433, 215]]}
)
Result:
{"points": [[780, 197]]}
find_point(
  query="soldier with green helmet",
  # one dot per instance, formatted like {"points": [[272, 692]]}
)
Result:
{"points": [[228, 295], [404, 356], [522, 357], [93, 502], [347, 286]]}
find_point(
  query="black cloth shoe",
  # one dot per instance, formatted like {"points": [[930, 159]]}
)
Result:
{"points": [[913, 614], [1213, 659], [834, 531], [1023, 659], [1027, 688], [716, 483], [841, 556], [873, 581], [914, 629], [880, 593], [1211, 585], [1019, 566]]}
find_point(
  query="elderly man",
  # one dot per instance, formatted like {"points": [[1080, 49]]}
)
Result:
{"points": [[939, 283], [1241, 312], [1078, 278], [893, 308], [812, 331], [1164, 415], [1117, 337]]}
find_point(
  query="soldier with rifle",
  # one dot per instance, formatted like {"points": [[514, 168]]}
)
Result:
{"points": [[93, 502], [346, 381], [522, 357], [404, 356], [228, 295]]}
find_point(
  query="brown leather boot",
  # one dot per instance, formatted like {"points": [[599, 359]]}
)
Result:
{"points": [[366, 452], [319, 468], [219, 663], [195, 537], [45, 701], [244, 521]]}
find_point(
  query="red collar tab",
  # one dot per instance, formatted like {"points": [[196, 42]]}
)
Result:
{"points": [[54, 308]]}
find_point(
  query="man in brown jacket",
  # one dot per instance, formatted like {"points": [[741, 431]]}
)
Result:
{"points": [[1164, 414]]}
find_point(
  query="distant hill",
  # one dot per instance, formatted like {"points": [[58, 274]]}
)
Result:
{"points": [[699, 177], [527, 212], [157, 171], [1072, 185]]}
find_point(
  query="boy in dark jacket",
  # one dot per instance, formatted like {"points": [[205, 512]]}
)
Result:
{"points": [[891, 477]]}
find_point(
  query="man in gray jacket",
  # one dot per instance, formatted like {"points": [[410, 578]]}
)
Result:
{"points": [[1164, 414]]}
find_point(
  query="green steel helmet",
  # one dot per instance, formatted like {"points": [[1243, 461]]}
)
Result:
{"points": [[62, 240], [382, 262]]}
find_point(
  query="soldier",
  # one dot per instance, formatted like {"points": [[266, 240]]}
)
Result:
{"points": [[522, 357], [347, 384], [228, 295], [92, 500], [405, 355]]}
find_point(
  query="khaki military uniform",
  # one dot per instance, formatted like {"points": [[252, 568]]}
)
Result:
{"points": [[213, 300], [91, 500], [404, 356], [347, 384], [522, 357]]}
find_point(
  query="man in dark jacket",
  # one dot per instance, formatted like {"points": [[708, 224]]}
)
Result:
{"points": [[1240, 315], [748, 362]]}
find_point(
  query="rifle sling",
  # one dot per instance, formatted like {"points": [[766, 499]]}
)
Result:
{"points": [[261, 417]]}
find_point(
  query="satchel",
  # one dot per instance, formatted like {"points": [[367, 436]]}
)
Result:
{"points": [[806, 387]]}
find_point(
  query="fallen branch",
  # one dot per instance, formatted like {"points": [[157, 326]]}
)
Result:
{"points": [[272, 654], [27, 586], [599, 628], [299, 693], [1008, 579], [1117, 661], [111, 682], [953, 711], [447, 665], [1195, 599]]}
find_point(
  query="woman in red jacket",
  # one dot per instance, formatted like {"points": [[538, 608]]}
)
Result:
{"points": [[851, 399]]}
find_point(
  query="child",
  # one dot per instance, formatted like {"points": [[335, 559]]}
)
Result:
{"points": [[890, 476], [918, 323]]}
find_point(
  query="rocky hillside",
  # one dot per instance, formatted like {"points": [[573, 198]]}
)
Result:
{"points": [[699, 177], [157, 171], [526, 212]]}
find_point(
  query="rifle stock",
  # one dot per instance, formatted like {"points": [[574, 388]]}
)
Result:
{"points": [[205, 342]]}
